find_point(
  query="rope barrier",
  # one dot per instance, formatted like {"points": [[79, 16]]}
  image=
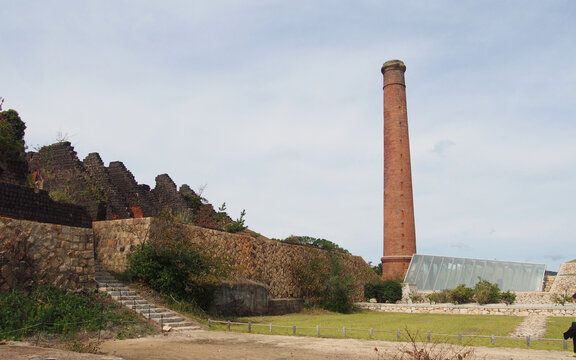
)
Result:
{"points": [[345, 332]]}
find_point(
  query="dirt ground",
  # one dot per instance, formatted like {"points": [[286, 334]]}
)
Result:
{"points": [[201, 344]]}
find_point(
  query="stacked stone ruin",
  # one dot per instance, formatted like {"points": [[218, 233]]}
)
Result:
{"points": [[107, 192]]}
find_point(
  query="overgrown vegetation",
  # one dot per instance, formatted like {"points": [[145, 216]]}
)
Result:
{"points": [[324, 282], [12, 144], [384, 291], [417, 349], [562, 299], [11, 132], [57, 311], [377, 268], [484, 292], [224, 222], [171, 264], [315, 242]]}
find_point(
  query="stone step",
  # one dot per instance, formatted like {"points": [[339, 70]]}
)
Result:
{"points": [[122, 293], [114, 288], [186, 327], [170, 321], [109, 283], [143, 307], [133, 302], [160, 315], [133, 299], [178, 324], [129, 298]]}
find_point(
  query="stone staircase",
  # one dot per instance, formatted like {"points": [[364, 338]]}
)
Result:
{"points": [[167, 319]]}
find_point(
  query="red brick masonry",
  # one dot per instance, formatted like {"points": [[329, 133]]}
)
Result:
{"points": [[399, 231]]}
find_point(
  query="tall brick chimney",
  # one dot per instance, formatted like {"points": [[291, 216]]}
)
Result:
{"points": [[399, 230]]}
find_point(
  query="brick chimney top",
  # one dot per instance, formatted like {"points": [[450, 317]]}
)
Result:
{"points": [[394, 64]]}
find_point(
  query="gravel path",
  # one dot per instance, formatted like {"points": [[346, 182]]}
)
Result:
{"points": [[534, 325]]}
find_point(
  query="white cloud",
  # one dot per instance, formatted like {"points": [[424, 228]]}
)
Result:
{"points": [[277, 107]]}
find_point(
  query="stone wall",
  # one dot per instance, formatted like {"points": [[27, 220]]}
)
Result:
{"points": [[565, 281], [114, 240], [474, 309], [33, 253], [253, 258], [20, 202]]}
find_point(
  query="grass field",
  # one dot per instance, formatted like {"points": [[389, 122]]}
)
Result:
{"points": [[476, 330]]}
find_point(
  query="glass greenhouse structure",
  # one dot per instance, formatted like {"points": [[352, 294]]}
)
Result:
{"points": [[430, 272]]}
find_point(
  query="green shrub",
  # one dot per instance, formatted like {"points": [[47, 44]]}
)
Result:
{"points": [[384, 291], [237, 225], [54, 310], [323, 281], [315, 242], [172, 265], [507, 297], [486, 292], [12, 145], [461, 294], [440, 297]]}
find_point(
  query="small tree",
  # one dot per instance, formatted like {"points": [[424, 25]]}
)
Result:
{"points": [[171, 264], [461, 294], [384, 291], [486, 292], [11, 135]]}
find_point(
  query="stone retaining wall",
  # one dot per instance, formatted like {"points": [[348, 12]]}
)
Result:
{"points": [[565, 282], [114, 240], [33, 253], [259, 259], [474, 309]]}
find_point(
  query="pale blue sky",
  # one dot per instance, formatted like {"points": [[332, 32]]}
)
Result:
{"points": [[277, 107]]}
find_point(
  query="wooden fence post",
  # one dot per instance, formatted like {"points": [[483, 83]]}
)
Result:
{"points": [[249, 326], [428, 335], [294, 330], [398, 337], [270, 328], [528, 340], [459, 337], [317, 330], [371, 333], [493, 339], [344, 331], [228, 325]]}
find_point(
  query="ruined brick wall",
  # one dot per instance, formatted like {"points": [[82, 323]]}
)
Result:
{"points": [[116, 207], [259, 259], [33, 253], [57, 169], [26, 203], [136, 196], [13, 171], [166, 193], [111, 192]]}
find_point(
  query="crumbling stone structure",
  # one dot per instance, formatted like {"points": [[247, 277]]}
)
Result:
{"points": [[111, 192], [116, 207], [399, 229]]}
